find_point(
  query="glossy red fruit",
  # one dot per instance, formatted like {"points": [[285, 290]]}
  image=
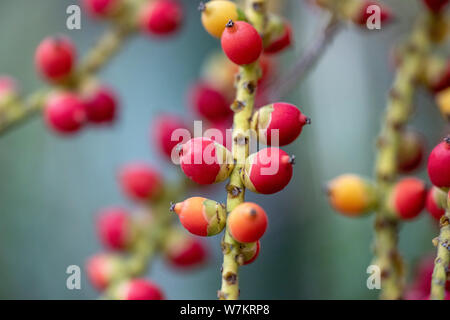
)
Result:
{"points": [[268, 171], [161, 17], [251, 252], [279, 120], [115, 228], [55, 58], [167, 131], [101, 270], [432, 203], [201, 216], [439, 164], [140, 182], [247, 222], [185, 251], [101, 106], [408, 198], [411, 151], [138, 289], [209, 102], [241, 42], [436, 5], [283, 41], [101, 8], [205, 161], [64, 112], [363, 14]]}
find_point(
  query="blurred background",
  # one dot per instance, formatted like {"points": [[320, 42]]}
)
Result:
{"points": [[50, 187]]}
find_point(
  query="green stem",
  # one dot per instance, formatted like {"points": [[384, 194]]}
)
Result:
{"points": [[398, 112], [246, 87], [442, 262]]}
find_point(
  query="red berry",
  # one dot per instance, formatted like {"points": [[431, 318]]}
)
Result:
{"points": [[101, 8], [101, 270], [64, 112], [101, 106], [251, 252], [282, 42], [205, 161], [161, 17], [408, 198], [279, 119], [411, 151], [185, 252], [138, 289], [267, 171], [439, 164], [115, 228], [432, 204], [436, 5], [168, 131], [363, 14], [241, 42], [54, 58], [209, 102], [201, 216], [140, 182], [247, 222]]}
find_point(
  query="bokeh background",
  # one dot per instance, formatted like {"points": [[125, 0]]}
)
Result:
{"points": [[50, 187]]}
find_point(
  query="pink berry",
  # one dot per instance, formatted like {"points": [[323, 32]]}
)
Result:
{"points": [[167, 131], [101, 8], [64, 112], [282, 119], [161, 17], [205, 161], [115, 228], [185, 251], [436, 5], [363, 14], [241, 42], [439, 164], [268, 171], [140, 182], [209, 103], [54, 58], [138, 289], [101, 106], [280, 43], [408, 198], [432, 204], [101, 270]]}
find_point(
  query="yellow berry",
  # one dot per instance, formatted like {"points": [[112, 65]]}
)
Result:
{"points": [[351, 195], [443, 101], [216, 14]]}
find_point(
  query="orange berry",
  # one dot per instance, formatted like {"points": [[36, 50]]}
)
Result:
{"points": [[247, 222], [351, 195]]}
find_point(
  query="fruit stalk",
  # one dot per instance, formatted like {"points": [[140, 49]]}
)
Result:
{"points": [[442, 261], [398, 112], [246, 85]]}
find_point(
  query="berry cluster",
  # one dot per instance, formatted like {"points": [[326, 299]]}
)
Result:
{"points": [[133, 239], [226, 96], [401, 151], [76, 98]]}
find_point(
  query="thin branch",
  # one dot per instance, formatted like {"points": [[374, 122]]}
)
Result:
{"points": [[306, 61]]}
